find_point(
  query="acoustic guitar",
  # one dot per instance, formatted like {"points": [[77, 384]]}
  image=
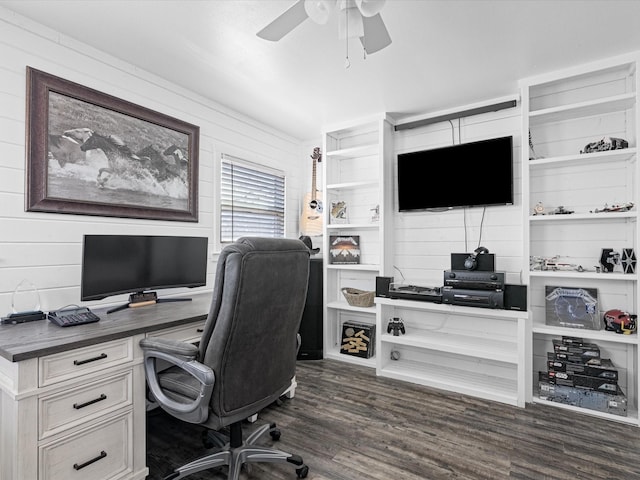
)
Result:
{"points": [[311, 218]]}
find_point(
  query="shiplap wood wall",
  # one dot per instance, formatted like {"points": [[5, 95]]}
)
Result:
{"points": [[45, 248], [425, 240]]}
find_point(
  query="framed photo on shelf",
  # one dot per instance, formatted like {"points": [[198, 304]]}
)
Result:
{"points": [[338, 213], [344, 249]]}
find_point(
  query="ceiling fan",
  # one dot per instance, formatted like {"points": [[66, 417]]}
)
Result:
{"points": [[356, 18]]}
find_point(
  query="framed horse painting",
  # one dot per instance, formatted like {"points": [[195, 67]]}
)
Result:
{"points": [[90, 153]]}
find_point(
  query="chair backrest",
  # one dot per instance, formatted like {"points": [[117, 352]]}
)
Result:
{"points": [[250, 337]]}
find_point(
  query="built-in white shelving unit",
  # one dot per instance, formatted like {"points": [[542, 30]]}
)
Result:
{"points": [[497, 354], [475, 351], [356, 170], [563, 112]]}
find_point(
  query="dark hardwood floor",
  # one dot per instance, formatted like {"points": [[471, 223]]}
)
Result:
{"points": [[348, 424]]}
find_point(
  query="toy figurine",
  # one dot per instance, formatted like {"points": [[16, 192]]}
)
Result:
{"points": [[609, 259]]}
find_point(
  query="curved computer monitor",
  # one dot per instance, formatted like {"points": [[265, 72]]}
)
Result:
{"points": [[117, 264]]}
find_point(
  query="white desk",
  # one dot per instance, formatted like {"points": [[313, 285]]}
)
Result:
{"points": [[72, 400]]}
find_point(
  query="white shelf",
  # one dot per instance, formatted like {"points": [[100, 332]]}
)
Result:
{"points": [[602, 106], [354, 152], [363, 362], [351, 185], [631, 418], [625, 277], [489, 348], [339, 305], [492, 388], [625, 154], [360, 266], [573, 217], [452, 309], [593, 335], [350, 226]]}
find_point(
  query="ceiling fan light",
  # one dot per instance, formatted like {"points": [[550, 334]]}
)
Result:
{"points": [[318, 10], [350, 24], [369, 8]]}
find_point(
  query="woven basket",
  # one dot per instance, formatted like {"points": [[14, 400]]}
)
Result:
{"points": [[358, 298]]}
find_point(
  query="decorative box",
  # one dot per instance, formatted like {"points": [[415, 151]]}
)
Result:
{"points": [[358, 339]]}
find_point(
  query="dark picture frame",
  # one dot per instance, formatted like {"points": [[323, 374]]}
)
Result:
{"points": [[90, 153]]}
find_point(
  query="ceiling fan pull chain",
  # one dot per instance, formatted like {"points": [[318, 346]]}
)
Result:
{"points": [[347, 63]]}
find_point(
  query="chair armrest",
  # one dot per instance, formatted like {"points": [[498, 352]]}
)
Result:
{"points": [[178, 354], [172, 347]]}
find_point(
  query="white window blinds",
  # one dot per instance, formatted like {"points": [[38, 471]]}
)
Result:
{"points": [[251, 200]]}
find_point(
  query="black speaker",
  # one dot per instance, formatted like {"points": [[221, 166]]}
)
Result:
{"points": [[382, 286], [484, 263], [515, 297], [311, 324]]}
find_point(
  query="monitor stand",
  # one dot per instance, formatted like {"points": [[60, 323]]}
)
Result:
{"points": [[140, 299]]}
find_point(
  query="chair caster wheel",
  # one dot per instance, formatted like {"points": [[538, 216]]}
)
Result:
{"points": [[275, 434], [302, 472]]}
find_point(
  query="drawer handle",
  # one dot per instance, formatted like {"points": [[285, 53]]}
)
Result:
{"points": [[89, 462], [78, 406], [88, 360], [199, 330]]}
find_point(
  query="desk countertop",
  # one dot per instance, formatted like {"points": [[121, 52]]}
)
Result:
{"points": [[35, 339]]}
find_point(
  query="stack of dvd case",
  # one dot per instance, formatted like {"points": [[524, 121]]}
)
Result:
{"points": [[577, 375]]}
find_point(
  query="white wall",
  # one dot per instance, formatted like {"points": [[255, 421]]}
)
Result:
{"points": [[424, 241], [45, 248]]}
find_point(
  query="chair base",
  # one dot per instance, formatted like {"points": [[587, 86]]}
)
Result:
{"points": [[247, 452]]}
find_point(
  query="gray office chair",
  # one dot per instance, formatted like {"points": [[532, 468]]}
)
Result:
{"points": [[246, 358]]}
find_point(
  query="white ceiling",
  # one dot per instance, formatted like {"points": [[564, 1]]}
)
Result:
{"points": [[445, 53]]}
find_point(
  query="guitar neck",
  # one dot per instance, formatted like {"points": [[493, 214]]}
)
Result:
{"points": [[313, 181]]}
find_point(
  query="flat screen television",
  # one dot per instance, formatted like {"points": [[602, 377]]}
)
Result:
{"points": [[470, 174], [115, 264]]}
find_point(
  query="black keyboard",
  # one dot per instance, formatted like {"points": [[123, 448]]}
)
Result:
{"points": [[73, 316]]}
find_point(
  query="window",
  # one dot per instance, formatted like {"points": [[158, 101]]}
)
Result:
{"points": [[251, 200]]}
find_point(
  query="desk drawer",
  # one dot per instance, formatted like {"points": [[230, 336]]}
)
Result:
{"points": [[67, 409], [68, 365], [187, 333], [100, 453]]}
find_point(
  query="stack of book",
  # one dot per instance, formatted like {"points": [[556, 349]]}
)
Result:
{"points": [[577, 375]]}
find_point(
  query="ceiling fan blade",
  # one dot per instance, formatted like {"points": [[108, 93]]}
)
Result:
{"points": [[290, 19], [376, 37]]}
